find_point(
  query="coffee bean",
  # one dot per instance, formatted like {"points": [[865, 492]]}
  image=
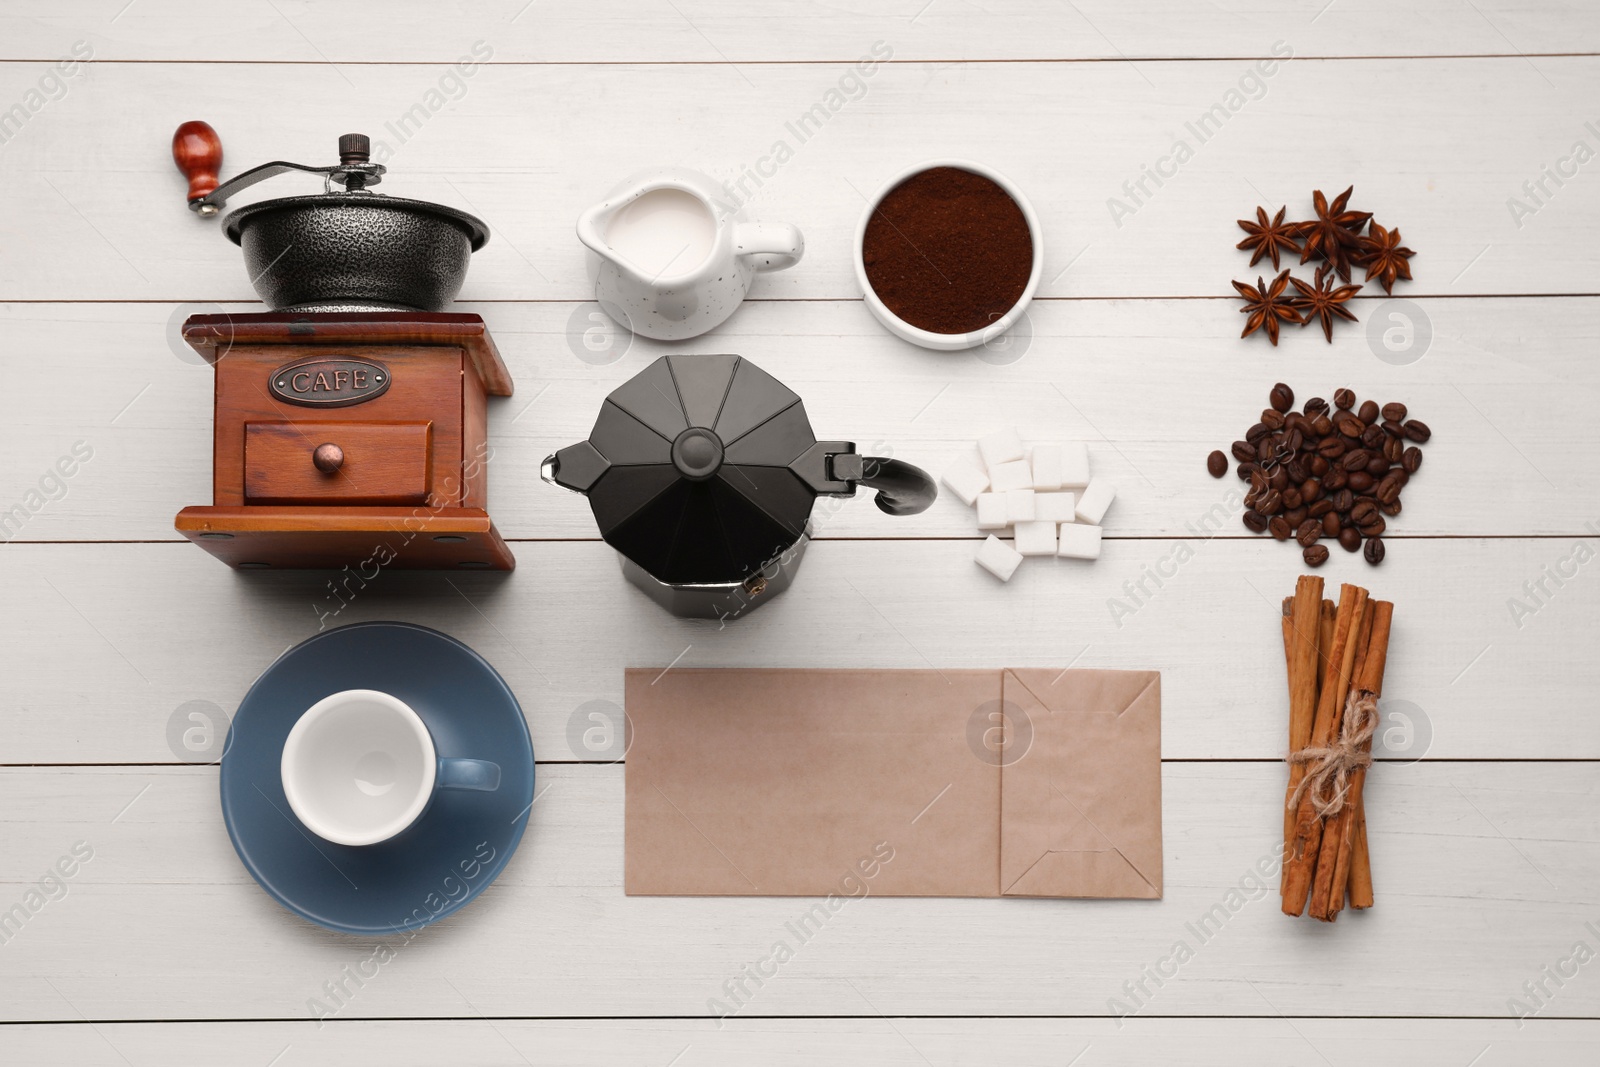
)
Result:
{"points": [[1394, 412], [1418, 431], [1343, 499], [1330, 447], [1393, 449], [1349, 425], [1373, 528], [1282, 397], [1244, 451], [1355, 461], [1273, 418], [1246, 469], [1257, 432], [1330, 524], [1322, 425], [1388, 491], [1217, 464], [1308, 532], [1279, 527], [1374, 550], [1344, 399], [1349, 539], [1310, 489], [1269, 502], [1411, 459], [1368, 411], [1297, 471], [1391, 509], [1363, 512], [1315, 406], [1295, 516], [1319, 509], [1377, 466], [1372, 436], [1279, 479], [1360, 481], [1336, 479], [1318, 466], [1392, 428], [1315, 555], [1291, 498], [1255, 521]]}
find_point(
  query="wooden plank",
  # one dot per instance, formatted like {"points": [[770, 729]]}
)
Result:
{"points": [[900, 1042], [102, 647], [713, 31], [1153, 386], [162, 917], [1497, 121]]}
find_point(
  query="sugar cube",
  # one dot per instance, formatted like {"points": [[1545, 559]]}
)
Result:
{"points": [[1036, 538], [1094, 501], [1074, 465], [966, 479], [1078, 541], [998, 558], [992, 511], [1019, 506], [1054, 507], [1002, 446], [1015, 474], [1047, 466]]}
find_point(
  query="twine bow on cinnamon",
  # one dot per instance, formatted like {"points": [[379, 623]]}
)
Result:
{"points": [[1328, 776]]}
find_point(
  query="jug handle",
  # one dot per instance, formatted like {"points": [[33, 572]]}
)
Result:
{"points": [[776, 245]]}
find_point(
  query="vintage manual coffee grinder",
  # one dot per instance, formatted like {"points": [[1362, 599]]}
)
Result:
{"points": [[351, 419]]}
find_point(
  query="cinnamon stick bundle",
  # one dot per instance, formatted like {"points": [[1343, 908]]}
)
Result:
{"points": [[1336, 657]]}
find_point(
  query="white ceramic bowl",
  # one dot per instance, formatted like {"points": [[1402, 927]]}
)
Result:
{"points": [[951, 342]]}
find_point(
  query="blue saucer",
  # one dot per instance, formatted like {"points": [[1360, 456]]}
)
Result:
{"points": [[443, 860]]}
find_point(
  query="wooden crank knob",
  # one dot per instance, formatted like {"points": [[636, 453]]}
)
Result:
{"points": [[197, 150]]}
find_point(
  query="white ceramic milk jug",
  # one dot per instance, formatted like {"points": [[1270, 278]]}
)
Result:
{"points": [[675, 256]]}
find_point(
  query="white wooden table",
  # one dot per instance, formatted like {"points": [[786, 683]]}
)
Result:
{"points": [[161, 950]]}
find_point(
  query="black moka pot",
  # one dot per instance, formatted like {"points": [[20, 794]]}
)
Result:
{"points": [[702, 471]]}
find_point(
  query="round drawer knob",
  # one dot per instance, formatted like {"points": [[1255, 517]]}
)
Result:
{"points": [[328, 458]]}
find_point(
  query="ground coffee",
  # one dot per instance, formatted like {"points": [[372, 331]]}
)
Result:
{"points": [[948, 251]]}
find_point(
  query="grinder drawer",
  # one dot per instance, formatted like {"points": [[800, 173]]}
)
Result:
{"points": [[374, 462]]}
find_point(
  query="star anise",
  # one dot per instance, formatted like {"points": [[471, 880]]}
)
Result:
{"points": [[1266, 306], [1384, 257], [1266, 238], [1322, 301], [1335, 233]]}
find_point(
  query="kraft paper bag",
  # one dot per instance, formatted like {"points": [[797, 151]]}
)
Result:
{"points": [[795, 782], [1081, 808], [811, 782]]}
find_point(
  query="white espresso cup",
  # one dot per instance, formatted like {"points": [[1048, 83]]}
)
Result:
{"points": [[360, 766]]}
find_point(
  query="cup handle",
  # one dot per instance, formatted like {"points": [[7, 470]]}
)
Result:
{"points": [[776, 245], [474, 774]]}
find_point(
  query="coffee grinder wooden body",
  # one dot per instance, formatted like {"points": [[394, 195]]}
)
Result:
{"points": [[354, 440]]}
